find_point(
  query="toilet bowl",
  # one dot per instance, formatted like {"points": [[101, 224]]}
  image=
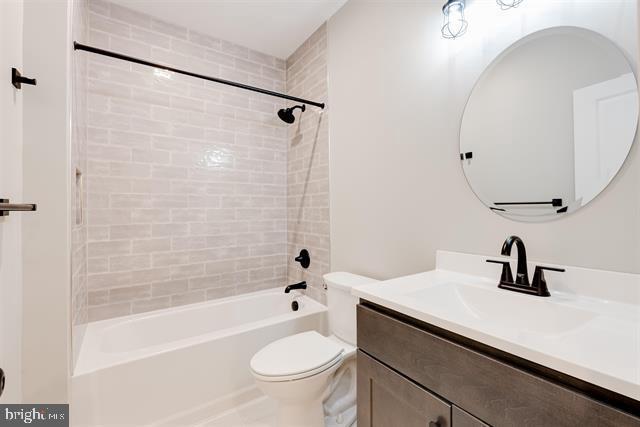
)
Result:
{"points": [[311, 377]]}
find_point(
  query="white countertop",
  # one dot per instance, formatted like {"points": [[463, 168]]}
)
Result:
{"points": [[582, 335]]}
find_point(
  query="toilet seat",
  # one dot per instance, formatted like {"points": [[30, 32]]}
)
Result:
{"points": [[295, 357]]}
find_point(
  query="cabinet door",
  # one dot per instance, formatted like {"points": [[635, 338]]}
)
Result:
{"points": [[460, 418], [494, 391], [387, 399]]}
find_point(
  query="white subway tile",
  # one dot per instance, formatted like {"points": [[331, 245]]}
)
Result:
{"points": [[169, 29], [150, 275], [97, 265], [150, 215], [150, 245], [170, 287], [129, 16], [188, 298], [204, 40], [130, 231], [107, 25], [186, 271], [129, 293], [144, 305], [109, 248], [102, 312], [108, 216], [109, 280], [187, 179], [152, 38]]}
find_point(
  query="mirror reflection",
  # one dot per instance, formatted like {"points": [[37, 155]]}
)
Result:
{"points": [[549, 124]]}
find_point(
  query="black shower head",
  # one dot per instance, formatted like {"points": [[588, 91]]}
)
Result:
{"points": [[286, 114]]}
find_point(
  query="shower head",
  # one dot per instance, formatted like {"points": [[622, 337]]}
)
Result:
{"points": [[286, 114]]}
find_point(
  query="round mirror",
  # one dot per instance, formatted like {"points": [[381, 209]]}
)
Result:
{"points": [[549, 124]]}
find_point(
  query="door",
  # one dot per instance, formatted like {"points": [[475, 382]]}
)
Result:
{"points": [[11, 13], [605, 115], [387, 399]]}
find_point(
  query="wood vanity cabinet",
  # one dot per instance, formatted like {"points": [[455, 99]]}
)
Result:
{"points": [[414, 374], [386, 398]]}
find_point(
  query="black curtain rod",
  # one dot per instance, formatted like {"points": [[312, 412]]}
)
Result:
{"points": [[80, 46]]}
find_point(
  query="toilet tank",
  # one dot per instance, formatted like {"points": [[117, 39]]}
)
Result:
{"points": [[342, 305]]}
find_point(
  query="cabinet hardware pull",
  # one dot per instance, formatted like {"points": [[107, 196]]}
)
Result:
{"points": [[6, 207]]}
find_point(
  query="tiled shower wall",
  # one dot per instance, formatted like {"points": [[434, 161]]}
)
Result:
{"points": [[308, 164], [187, 180]]}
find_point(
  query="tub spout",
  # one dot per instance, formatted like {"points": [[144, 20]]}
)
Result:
{"points": [[301, 285]]}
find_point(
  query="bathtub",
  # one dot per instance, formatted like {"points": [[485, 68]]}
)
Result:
{"points": [[180, 365]]}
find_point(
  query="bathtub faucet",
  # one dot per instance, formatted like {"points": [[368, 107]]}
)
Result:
{"points": [[301, 285]]}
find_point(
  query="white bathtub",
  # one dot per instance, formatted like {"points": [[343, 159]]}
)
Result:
{"points": [[179, 364]]}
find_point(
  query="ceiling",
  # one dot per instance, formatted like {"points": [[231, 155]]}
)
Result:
{"points": [[273, 27]]}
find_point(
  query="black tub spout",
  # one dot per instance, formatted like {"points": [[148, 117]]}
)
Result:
{"points": [[301, 285]]}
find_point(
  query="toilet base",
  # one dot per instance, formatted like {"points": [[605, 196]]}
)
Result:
{"points": [[300, 402], [340, 404], [310, 414], [344, 419]]}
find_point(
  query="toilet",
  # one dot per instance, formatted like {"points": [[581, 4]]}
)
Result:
{"points": [[311, 377]]}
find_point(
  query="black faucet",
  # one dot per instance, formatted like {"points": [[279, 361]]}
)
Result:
{"points": [[521, 284], [301, 285], [522, 275]]}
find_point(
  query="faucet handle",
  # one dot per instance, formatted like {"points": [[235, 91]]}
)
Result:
{"points": [[506, 276], [304, 258], [541, 267], [540, 283]]}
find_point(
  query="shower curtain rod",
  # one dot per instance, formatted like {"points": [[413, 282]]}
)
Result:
{"points": [[80, 46]]}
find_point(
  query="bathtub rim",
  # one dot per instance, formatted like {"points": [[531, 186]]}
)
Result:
{"points": [[90, 347]]}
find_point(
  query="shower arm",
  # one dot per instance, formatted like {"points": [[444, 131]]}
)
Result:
{"points": [[116, 55]]}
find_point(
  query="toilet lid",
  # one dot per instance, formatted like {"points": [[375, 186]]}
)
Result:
{"points": [[295, 355]]}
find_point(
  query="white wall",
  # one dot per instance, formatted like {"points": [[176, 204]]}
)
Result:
{"points": [[11, 188], [397, 93], [46, 233]]}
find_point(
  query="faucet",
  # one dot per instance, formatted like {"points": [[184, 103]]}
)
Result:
{"points": [[521, 284], [301, 285], [522, 275]]}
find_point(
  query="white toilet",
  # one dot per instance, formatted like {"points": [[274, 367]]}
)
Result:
{"points": [[312, 377]]}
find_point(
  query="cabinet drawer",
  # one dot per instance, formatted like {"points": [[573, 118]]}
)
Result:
{"points": [[387, 399], [460, 418], [497, 393]]}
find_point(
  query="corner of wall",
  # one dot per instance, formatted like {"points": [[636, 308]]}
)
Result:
{"points": [[77, 174], [308, 165]]}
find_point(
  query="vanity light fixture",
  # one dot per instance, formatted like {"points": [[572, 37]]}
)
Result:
{"points": [[508, 4], [454, 23]]}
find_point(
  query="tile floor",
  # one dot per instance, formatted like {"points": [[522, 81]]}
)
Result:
{"points": [[259, 412]]}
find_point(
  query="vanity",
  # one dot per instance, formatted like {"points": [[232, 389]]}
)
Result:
{"points": [[449, 348]]}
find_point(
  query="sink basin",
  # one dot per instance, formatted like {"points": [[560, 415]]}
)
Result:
{"points": [[499, 308]]}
